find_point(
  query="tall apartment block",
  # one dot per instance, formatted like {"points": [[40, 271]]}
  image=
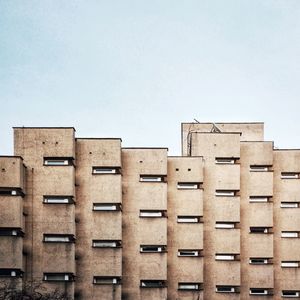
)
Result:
{"points": [[98, 221]]}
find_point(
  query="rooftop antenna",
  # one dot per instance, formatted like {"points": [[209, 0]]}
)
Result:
{"points": [[196, 121]]}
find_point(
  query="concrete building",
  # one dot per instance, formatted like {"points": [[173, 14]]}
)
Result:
{"points": [[98, 221]]}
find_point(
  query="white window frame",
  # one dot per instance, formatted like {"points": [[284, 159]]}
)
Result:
{"points": [[290, 175], [187, 219], [143, 250], [296, 294], [148, 178], [188, 286], [187, 186], [56, 200], [258, 199], [290, 264], [265, 292], [289, 204], [258, 168], [58, 277], [190, 253], [105, 244], [228, 257], [263, 261], [104, 207], [224, 193], [151, 214], [224, 225], [218, 289], [105, 280], [57, 239], [224, 161], [289, 234], [56, 162], [104, 170]]}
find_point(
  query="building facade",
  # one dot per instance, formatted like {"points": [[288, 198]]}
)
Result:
{"points": [[99, 221]]}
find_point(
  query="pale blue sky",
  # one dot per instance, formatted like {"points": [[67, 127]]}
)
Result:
{"points": [[136, 69]]}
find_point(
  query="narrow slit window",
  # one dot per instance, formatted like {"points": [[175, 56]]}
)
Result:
{"points": [[58, 277], [260, 230], [106, 280], [225, 193], [289, 234], [188, 253], [152, 178], [258, 261], [289, 204], [225, 257], [153, 248], [11, 232], [290, 264], [189, 286], [225, 225], [58, 238], [106, 170], [153, 283], [259, 168], [290, 175], [225, 160], [106, 243], [259, 199], [152, 213], [290, 294], [8, 191], [188, 185], [225, 289], [58, 199], [106, 206], [188, 219], [58, 161], [258, 291], [5, 272]]}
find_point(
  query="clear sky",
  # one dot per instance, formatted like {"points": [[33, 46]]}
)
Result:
{"points": [[137, 69]]}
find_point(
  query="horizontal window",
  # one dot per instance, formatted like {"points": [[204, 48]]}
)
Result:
{"points": [[58, 276], [289, 234], [11, 232], [188, 185], [152, 213], [260, 230], [290, 294], [225, 289], [106, 170], [289, 204], [107, 243], [107, 206], [8, 191], [259, 261], [226, 160], [253, 199], [259, 168], [10, 272], [153, 283], [225, 193], [290, 175], [153, 248], [189, 253], [225, 225], [107, 280], [59, 238], [290, 264], [226, 256], [258, 291], [152, 178], [188, 219], [196, 286], [58, 199], [58, 161]]}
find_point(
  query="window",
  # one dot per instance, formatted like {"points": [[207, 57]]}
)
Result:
{"points": [[7, 191], [290, 175], [225, 225], [260, 230], [152, 213], [152, 178], [59, 238], [188, 219], [107, 280], [189, 253], [106, 170], [58, 199], [107, 243], [106, 206], [225, 257], [290, 294], [58, 277], [253, 199], [289, 204], [289, 234], [225, 193], [189, 286], [259, 168], [225, 160], [188, 185], [153, 283], [153, 248], [10, 272], [258, 291], [225, 289], [290, 264], [258, 261], [58, 161], [11, 232]]}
